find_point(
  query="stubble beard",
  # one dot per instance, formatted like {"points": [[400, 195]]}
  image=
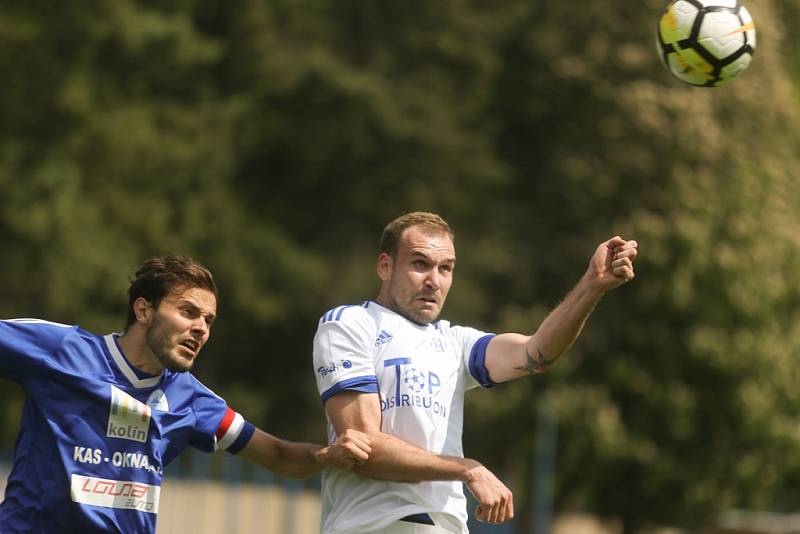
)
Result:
{"points": [[162, 348], [415, 316]]}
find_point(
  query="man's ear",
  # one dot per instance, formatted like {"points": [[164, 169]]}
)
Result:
{"points": [[385, 265], [143, 310]]}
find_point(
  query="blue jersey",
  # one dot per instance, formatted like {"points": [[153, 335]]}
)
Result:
{"points": [[96, 433]]}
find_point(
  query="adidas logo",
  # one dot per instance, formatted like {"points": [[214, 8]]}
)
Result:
{"points": [[383, 338]]}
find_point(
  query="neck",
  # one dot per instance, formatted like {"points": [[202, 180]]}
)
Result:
{"points": [[384, 300], [135, 348], [387, 302]]}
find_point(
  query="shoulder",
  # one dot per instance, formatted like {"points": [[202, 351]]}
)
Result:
{"points": [[43, 331], [30, 344], [446, 328], [348, 313], [185, 388], [464, 335], [34, 324], [189, 383], [353, 318], [347, 327], [456, 329]]}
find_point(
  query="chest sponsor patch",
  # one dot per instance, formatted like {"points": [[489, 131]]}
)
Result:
{"points": [[413, 388], [127, 417], [122, 494]]}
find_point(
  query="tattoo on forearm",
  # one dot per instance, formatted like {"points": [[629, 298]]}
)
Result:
{"points": [[536, 364]]}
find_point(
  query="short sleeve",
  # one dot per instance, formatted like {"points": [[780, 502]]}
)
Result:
{"points": [[343, 358], [28, 346], [473, 345], [218, 426]]}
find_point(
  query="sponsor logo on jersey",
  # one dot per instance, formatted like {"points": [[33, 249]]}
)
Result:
{"points": [[414, 379], [158, 401], [89, 455], [383, 338], [413, 388], [325, 371], [123, 494], [128, 418]]}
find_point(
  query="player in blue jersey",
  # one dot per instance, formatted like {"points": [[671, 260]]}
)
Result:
{"points": [[105, 414], [390, 368]]}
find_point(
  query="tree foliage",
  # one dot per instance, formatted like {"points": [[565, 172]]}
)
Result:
{"points": [[273, 140]]}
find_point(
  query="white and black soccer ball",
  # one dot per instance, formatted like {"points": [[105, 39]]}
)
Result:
{"points": [[706, 42]]}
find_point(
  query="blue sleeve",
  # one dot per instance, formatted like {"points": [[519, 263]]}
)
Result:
{"points": [[477, 361], [209, 409], [217, 426], [28, 346]]}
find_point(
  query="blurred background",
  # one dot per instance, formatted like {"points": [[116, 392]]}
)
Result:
{"points": [[273, 140]]}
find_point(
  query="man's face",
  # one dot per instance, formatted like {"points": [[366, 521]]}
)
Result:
{"points": [[180, 326], [415, 284]]}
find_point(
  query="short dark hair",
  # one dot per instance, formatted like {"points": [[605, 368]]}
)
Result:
{"points": [[427, 222], [160, 276]]}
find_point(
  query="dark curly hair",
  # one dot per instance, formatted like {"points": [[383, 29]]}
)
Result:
{"points": [[158, 277]]}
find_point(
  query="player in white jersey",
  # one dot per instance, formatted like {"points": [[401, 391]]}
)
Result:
{"points": [[391, 369], [105, 414]]}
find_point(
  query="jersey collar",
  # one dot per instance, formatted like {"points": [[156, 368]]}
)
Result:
{"points": [[426, 326], [125, 367]]}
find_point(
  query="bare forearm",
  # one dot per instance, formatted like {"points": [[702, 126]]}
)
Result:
{"points": [[559, 330], [397, 460], [284, 458], [511, 356], [299, 460], [391, 458]]}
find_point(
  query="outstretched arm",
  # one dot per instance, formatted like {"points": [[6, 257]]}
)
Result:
{"points": [[302, 460], [394, 459], [510, 356]]}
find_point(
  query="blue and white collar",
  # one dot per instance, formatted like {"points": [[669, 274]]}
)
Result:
{"points": [[125, 368]]}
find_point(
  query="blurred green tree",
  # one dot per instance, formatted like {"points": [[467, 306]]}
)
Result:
{"points": [[273, 140]]}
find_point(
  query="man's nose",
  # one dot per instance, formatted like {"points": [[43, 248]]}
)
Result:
{"points": [[432, 280], [200, 326]]}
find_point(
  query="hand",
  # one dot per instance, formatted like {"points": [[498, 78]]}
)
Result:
{"points": [[612, 263], [495, 501], [351, 448]]}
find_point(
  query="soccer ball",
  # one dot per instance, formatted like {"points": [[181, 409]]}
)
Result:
{"points": [[706, 42]]}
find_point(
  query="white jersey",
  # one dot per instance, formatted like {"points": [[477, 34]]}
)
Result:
{"points": [[420, 373]]}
